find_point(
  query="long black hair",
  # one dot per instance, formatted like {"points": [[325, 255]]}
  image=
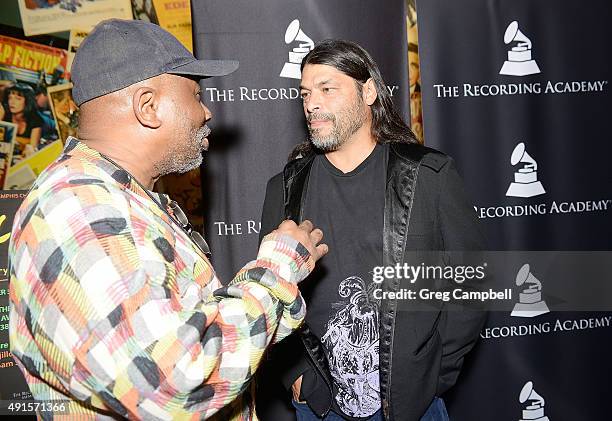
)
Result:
{"points": [[23, 90], [354, 61]]}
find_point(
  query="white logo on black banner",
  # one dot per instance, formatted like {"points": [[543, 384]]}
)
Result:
{"points": [[519, 61], [530, 299], [534, 411], [291, 69], [526, 182]]}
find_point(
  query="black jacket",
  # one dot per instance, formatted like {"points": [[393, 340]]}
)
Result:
{"points": [[421, 351]]}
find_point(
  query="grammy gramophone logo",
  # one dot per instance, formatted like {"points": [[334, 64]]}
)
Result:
{"points": [[530, 298], [534, 404], [520, 62], [525, 182], [291, 69]]}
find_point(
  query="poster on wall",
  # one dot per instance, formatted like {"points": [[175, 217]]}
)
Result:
{"points": [[25, 168], [144, 10], [175, 17], [13, 386], [7, 140], [77, 36], [65, 111], [48, 16], [28, 71], [32, 63]]}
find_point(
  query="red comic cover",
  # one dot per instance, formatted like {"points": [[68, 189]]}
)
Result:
{"points": [[27, 69]]}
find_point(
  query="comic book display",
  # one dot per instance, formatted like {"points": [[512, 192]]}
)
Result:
{"points": [[27, 71]]}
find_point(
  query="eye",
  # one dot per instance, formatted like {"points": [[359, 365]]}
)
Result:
{"points": [[327, 90], [304, 95]]}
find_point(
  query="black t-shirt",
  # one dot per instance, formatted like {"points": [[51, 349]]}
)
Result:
{"points": [[341, 310]]}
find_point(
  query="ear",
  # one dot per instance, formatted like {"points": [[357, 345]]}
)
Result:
{"points": [[369, 92], [145, 104]]}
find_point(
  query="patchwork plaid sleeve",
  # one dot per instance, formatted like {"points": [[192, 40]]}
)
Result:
{"points": [[115, 311]]}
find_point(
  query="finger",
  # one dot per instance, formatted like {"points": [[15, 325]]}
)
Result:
{"points": [[307, 226], [316, 236], [287, 224], [321, 250]]}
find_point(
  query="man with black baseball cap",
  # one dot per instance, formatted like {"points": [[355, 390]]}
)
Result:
{"points": [[116, 311]]}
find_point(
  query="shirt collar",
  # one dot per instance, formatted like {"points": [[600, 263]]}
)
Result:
{"points": [[122, 176]]}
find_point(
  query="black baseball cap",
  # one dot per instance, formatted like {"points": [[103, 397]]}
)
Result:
{"points": [[118, 53]]}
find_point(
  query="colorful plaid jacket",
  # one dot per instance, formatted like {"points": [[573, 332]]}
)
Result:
{"points": [[116, 311]]}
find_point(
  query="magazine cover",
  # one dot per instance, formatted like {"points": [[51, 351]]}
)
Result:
{"points": [[47, 16], [76, 38], [65, 111], [25, 61], [24, 170], [144, 10], [7, 139], [26, 71], [175, 17]]}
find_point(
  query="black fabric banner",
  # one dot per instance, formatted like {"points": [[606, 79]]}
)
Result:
{"points": [[257, 111], [518, 93]]}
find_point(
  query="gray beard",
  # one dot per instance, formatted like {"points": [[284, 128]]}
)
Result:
{"points": [[326, 144], [185, 159], [351, 120]]}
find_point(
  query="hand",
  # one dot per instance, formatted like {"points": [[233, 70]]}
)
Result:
{"points": [[296, 387], [307, 235], [28, 150]]}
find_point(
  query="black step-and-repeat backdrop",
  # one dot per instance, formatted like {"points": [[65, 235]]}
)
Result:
{"points": [[518, 93], [257, 111]]}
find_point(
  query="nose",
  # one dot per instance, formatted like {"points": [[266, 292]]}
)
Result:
{"points": [[207, 113], [312, 103]]}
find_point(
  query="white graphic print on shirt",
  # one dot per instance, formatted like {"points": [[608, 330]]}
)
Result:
{"points": [[351, 341]]}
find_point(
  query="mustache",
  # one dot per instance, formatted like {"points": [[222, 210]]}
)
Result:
{"points": [[199, 135], [204, 131], [321, 116]]}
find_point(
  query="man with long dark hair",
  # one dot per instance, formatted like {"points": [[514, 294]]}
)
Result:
{"points": [[379, 196]]}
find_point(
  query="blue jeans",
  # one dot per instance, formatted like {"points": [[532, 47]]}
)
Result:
{"points": [[435, 412]]}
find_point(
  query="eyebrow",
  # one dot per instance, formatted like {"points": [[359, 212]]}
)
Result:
{"points": [[324, 82]]}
